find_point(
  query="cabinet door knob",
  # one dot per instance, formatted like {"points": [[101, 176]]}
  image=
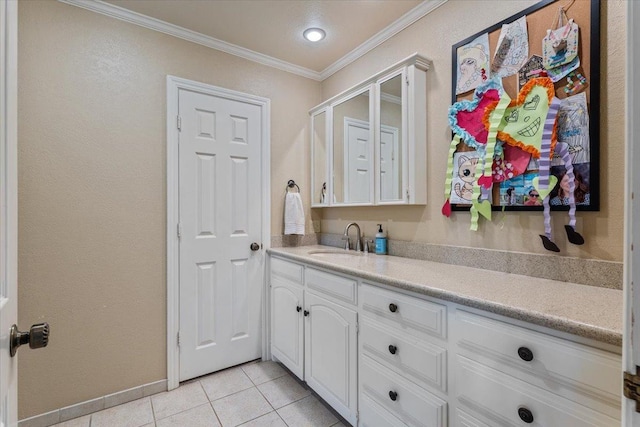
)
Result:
{"points": [[306, 313], [393, 308], [393, 349], [525, 415], [525, 354], [393, 395], [298, 308]]}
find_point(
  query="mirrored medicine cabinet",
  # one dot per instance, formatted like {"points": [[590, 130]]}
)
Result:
{"points": [[368, 144]]}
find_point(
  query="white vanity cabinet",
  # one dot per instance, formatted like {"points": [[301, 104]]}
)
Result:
{"points": [[287, 309], [383, 356], [511, 375], [314, 331]]}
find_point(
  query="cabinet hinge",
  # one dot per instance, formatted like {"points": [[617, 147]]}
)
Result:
{"points": [[407, 80], [179, 230], [179, 122], [408, 195], [631, 387], [357, 327], [178, 339]]}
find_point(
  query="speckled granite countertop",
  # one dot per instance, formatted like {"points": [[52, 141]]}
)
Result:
{"points": [[586, 311]]}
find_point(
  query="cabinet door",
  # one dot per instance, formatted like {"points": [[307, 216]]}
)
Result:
{"points": [[331, 354], [286, 325]]}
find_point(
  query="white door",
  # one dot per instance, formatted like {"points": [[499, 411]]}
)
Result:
{"points": [[330, 359], [389, 164], [358, 161], [287, 328], [631, 333], [220, 217], [8, 209]]}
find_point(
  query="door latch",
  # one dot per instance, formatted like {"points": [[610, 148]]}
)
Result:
{"points": [[37, 337]]}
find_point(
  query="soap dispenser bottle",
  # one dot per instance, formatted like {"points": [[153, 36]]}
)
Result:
{"points": [[381, 241]]}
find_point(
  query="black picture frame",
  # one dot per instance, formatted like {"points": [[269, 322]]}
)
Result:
{"points": [[594, 103]]}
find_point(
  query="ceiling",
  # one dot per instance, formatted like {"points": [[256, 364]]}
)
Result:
{"points": [[274, 27]]}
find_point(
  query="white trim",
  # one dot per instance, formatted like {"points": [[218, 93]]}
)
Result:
{"points": [[400, 24], [135, 18], [631, 280], [8, 202], [131, 17], [174, 85]]}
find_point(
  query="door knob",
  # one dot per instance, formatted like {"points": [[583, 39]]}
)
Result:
{"points": [[254, 246], [37, 337]]}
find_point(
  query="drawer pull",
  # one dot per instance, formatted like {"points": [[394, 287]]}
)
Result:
{"points": [[525, 415], [393, 308], [525, 354], [393, 349], [394, 396], [298, 308]]}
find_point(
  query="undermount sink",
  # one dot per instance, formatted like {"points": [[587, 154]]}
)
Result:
{"points": [[333, 252]]}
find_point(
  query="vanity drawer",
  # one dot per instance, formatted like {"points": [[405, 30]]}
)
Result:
{"points": [[413, 405], [563, 367], [499, 397], [374, 415], [420, 362], [286, 270], [333, 285], [415, 316]]}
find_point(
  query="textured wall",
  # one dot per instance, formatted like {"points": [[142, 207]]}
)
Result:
{"points": [[433, 37], [92, 201]]}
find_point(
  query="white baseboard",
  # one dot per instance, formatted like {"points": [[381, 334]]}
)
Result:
{"points": [[94, 405]]}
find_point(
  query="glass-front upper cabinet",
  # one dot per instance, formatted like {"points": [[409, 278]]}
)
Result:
{"points": [[319, 159], [353, 149], [376, 137]]}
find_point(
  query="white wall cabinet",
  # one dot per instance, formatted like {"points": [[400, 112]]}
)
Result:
{"points": [[369, 143], [382, 356]]}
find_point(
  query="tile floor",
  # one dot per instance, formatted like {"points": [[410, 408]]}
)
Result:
{"points": [[255, 394]]}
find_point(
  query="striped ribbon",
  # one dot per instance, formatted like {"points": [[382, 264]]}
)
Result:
{"points": [[545, 160]]}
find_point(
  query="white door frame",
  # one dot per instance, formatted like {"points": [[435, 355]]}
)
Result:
{"points": [[174, 84], [9, 200], [631, 282]]}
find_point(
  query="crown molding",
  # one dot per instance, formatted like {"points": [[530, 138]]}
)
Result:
{"points": [[131, 17], [400, 24], [135, 18]]}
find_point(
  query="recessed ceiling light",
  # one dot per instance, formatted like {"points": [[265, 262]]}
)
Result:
{"points": [[314, 34]]}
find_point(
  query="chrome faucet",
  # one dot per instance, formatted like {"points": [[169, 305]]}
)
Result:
{"points": [[346, 236]]}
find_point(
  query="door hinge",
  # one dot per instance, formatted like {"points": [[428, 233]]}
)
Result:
{"points": [[179, 122], [179, 230], [631, 387], [178, 339]]}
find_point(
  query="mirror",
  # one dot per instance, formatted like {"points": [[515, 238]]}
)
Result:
{"points": [[353, 150], [319, 159], [390, 167]]}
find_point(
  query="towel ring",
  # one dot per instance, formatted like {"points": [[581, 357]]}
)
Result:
{"points": [[291, 184]]}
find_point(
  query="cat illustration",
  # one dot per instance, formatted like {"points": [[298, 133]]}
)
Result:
{"points": [[466, 172]]}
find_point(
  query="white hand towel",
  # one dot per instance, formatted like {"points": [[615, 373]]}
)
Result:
{"points": [[293, 214]]}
